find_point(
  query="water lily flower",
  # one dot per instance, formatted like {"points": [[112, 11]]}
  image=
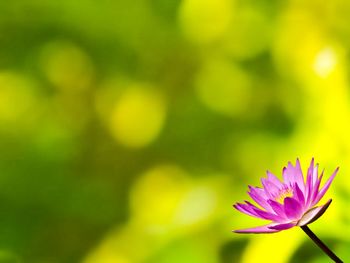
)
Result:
{"points": [[289, 203]]}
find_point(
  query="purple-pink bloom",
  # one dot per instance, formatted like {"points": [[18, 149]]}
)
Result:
{"points": [[289, 203]]}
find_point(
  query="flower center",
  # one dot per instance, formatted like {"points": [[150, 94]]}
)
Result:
{"points": [[286, 192]]}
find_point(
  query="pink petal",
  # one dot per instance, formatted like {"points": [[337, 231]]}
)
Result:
{"points": [[298, 194], [309, 182], [293, 175], [315, 176], [246, 210], [253, 211], [269, 187], [300, 178], [269, 216], [273, 179], [315, 190], [292, 208], [277, 207], [313, 214], [259, 196], [311, 167], [283, 226], [325, 187], [258, 230], [263, 214], [308, 192]]}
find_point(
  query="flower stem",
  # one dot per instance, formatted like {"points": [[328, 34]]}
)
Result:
{"points": [[321, 245]]}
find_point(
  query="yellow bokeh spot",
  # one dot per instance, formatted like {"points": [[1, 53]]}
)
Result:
{"points": [[204, 21], [303, 50], [283, 244], [224, 87], [164, 204], [249, 34], [325, 62], [138, 116], [156, 197], [191, 210], [18, 101], [119, 246], [67, 66], [299, 40]]}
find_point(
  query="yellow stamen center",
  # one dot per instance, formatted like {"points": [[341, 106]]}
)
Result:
{"points": [[283, 194]]}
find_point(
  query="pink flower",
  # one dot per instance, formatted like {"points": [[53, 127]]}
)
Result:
{"points": [[289, 203]]}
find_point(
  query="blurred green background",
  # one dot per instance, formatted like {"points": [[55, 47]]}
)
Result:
{"points": [[129, 128]]}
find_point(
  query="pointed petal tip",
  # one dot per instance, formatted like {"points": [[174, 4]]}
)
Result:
{"points": [[335, 172], [312, 162], [238, 232], [245, 232], [235, 205]]}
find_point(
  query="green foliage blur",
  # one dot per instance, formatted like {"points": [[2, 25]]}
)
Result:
{"points": [[129, 128]]}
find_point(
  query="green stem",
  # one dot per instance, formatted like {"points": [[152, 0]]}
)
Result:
{"points": [[321, 245]]}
